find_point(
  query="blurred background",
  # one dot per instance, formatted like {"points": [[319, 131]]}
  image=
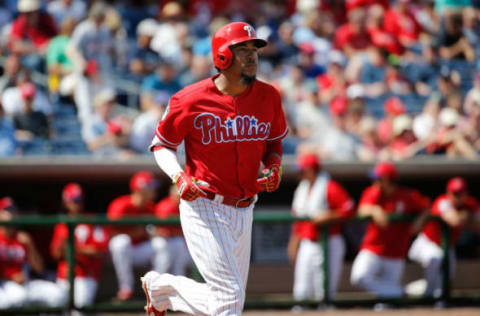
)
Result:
{"points": [[84, 83]]}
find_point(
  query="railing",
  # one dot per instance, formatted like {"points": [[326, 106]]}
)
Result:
{"points": [[259, 217]]}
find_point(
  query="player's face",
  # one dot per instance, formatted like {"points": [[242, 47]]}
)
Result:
{"points": [[458, 198], [245, 60], [74, 207]]}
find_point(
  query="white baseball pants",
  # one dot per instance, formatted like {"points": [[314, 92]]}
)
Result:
{"points": [[85, 290], [377, 274], [40, 292], [125, 256], [308, 276], [176, 258], [219, 239], [430, 256]]}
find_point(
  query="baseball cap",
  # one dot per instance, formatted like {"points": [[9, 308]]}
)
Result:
{"points": [[114, 126], [7, 204], [448, 117], [384, 169], [28, 5], [27, 90], [402, 123], [307, 48], [339, 106], [456, 185], [143, 180], [103, 97], [72, 192], [147, 27], [308, 161], [394, 106]]}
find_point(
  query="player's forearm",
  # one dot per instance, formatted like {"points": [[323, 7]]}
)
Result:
{"points": [[273, 154], [167, 161], [368, 210]]}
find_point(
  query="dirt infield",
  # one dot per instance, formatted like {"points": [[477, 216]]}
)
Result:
{"points": [[353, 312]]}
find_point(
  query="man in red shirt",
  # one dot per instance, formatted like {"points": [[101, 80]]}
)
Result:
{"points": [[379, 265], [90, 246], [230, 124], [457, 209], [176, 257], [17, 250], [323, 200], [352, 37], [401, 23], [131, 245], [32, 30]]}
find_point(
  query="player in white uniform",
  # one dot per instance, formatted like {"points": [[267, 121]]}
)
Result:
{"points": [[230, 123], [323, 200]]}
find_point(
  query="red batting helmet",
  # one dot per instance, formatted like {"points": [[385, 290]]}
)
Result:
{"points": [[143, 180], [228, 35]]}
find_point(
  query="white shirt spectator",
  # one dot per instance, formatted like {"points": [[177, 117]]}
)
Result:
{"points": [[60, 9], [143, 131], [12, 102]]}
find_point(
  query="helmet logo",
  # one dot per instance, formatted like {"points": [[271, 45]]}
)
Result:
{"points": [[250, 30]]}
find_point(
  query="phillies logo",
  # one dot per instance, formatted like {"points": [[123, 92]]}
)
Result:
{"points": [[239, 128]]}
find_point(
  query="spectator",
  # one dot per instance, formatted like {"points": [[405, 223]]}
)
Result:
{"points": [[30, 124], [370, 70], [381, 38], [176, 260], [471, 29], [143, 128], [401, 23], [311, 120], [32, 30], [58, 63], [453, 42], [333, 82], [90, 246], [17, 249], [379, 265], [145, 60], [371, 144], [120, 44], [428, 18], [442, 6], [287, 50], [397, 83], [199, 69], [425, 123], [131, 245], [392, 107], [62, 9], [458, 210], [102, 134], [323, 200], [423, 72], [8, 143], [307, 63], [352, 37], [12, 98], [473, 96], [11, 69], [404, 144], [164, 79]]}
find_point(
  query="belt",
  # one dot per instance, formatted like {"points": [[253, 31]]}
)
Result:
{"points": [[238, 203]]}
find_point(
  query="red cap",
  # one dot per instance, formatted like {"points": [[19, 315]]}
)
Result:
{"points": [[308, 161], [7, 204], [339, 106], [384, 170], [456, 185], [114, 127], [307, 48], [27, 90], [72, 192], [394, 106], [143, 180]]}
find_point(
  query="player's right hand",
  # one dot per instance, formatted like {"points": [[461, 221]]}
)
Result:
{"points": [[380, 218], [188, 188]]}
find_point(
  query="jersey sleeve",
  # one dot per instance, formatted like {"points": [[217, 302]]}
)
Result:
{"points": [[419, 202], [279, 127], [339, 200], [115, 210], [173, 126], [60, 234], [370, 196]]}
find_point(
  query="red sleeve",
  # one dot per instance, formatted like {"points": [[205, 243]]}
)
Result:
{"points": [[339, 200], [341, 36], [60, 234], [390, 23], [370, 196], [116, 209], [419, 202], [18, 26], [279, 128], [173, 126]]}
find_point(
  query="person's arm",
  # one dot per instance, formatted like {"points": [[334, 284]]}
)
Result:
{"points": [[273, 170], [292, 248], [74, 54], [378, 215], [454, 218], [33, 256]]}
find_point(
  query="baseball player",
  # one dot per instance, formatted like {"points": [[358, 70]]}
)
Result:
{"points": [[17, 254], [230, 124], [131, 245], [457, 208], [323, 200], [379, 265], [90, 245], [176, 259]]}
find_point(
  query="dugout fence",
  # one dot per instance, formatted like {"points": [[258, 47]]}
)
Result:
{"points": [[259, 217]]}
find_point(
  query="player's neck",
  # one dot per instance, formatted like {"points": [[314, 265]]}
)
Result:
{"points": [[229, 84]]}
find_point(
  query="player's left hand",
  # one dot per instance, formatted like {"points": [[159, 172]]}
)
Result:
{"points": [[271, 179]]}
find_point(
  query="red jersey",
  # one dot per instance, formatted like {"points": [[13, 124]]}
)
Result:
{"points": [[382, 39], [401, 25], [392, 241], [345, 35], [123, 207], [442, 204], [168, 207], [13, 256], [38, 35], [225, 137], [86, 235], [338, 201]]}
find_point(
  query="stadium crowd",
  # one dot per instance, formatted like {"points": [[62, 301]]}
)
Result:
{"points": [[360, 79]]}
